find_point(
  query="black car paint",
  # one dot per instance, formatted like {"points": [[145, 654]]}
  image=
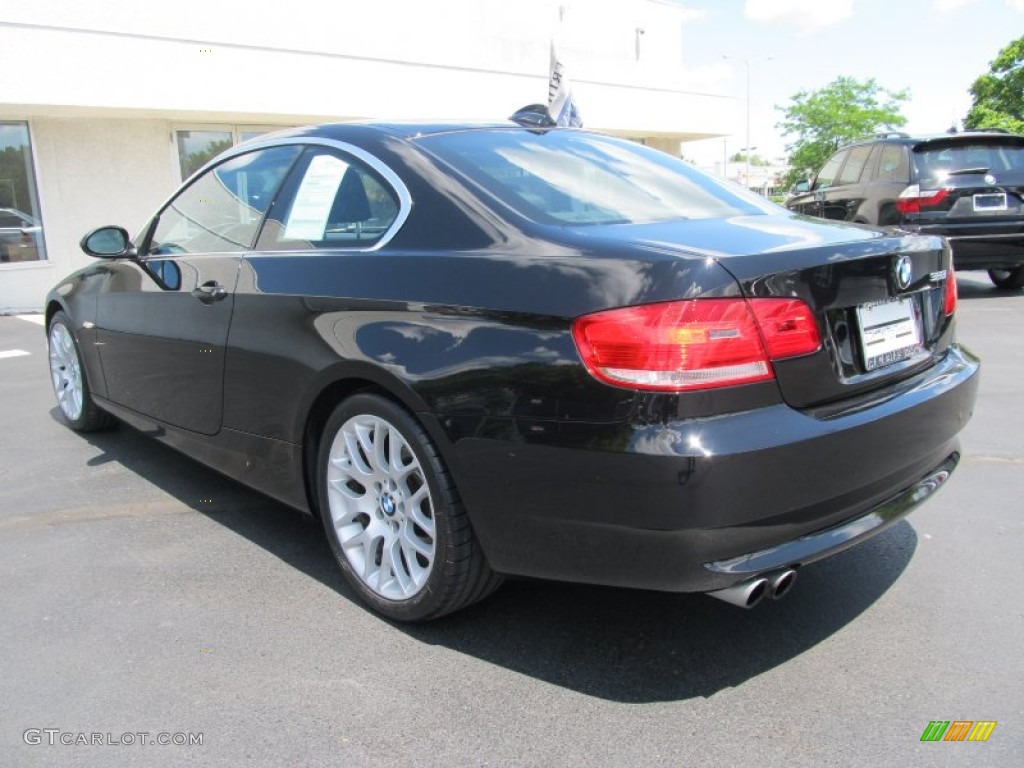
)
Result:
{"points": [[465, 319]]}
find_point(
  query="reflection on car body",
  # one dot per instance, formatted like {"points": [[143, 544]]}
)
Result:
{"points": [[485, 350], [20, 236]]}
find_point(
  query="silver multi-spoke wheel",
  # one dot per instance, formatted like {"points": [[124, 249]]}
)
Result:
{"points": [[66, 372], [380, 506], [393, 514]]}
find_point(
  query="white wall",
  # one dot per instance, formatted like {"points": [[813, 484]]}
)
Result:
{"points": [[103, 83], [90, 172], [387, 58]]}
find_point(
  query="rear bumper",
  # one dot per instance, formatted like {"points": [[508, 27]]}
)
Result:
{"points": [[981, 252], [821, 544], [697, 505], [983, 247]]}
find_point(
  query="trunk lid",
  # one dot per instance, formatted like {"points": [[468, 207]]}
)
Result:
{"points": [[878, 298], [970, 180]]}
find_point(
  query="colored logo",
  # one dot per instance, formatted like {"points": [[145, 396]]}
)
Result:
{"points": [[904, 271], [958, 730]]}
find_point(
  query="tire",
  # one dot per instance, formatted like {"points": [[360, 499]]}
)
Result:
{"points": [[1008, 279], [393, 516], [70, 382]]}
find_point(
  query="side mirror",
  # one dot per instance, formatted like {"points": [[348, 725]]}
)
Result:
{"points": [[802, 186], [108, 243]]}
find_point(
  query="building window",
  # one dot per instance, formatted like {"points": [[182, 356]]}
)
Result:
{"points": [[21, 226], [198, 145]]}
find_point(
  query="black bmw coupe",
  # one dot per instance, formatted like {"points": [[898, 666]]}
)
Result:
{"points": [[486, 350]]}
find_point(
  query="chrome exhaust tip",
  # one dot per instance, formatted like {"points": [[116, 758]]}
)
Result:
{"points": [[780, 583], [746, 594]]}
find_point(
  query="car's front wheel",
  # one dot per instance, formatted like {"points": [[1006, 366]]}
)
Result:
{"points": [[70, 384], [1007, 279], [393, 515]]}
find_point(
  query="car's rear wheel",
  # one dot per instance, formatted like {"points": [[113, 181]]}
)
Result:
{"points": [[1007, 279], [70, 383], [393, 515]]}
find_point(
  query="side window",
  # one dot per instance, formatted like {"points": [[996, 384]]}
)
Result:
{"points": [[827, 176], [332, 200], [221, 211], [893, 164], [855, 165]]}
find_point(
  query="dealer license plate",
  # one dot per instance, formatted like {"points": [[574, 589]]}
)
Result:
{"points": [[889, 332], [990, 202]]}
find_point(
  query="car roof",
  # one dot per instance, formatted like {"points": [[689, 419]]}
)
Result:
{"points": [[935, 138], [398, 129]]}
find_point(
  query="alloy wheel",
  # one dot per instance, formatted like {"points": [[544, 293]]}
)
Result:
{"points": [[381, 507], [66, 372]]}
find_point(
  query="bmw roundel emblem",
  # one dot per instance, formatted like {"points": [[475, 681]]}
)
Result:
{"points": [[904, 271], [990, 179]]}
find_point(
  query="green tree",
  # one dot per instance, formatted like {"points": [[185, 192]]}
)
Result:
{"points": [[999, 93], [741, 157], [823, 120]]}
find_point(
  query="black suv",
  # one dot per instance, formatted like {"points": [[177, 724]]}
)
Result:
{"points": [[966, 186]]}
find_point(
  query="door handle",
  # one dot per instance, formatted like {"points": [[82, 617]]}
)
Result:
{"points": [[209, 292]]}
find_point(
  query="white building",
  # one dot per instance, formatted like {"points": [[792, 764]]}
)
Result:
{"points": [[106, 105]]}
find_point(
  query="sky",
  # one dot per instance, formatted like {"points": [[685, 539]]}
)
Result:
{"points": [[933, 48]]}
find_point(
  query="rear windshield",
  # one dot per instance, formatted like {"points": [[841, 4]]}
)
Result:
{"points": [[937, 162], [569, 177]]}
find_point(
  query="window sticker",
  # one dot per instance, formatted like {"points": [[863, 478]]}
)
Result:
{"points": [[307, 219]]}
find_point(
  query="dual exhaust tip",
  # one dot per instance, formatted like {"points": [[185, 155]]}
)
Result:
{"points": [[749, 593]]}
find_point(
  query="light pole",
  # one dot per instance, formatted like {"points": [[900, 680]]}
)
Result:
{"points": [[746, 154], [746, 63]]}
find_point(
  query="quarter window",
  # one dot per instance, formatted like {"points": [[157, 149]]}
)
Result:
{"points": [[221, 211], [332, 200], [893, 165]]}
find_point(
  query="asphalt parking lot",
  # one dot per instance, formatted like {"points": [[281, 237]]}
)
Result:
{"points": [[143, 594]]}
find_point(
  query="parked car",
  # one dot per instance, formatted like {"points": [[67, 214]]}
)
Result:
{"points": [[485, 350], [19, 236], [968, 187]]}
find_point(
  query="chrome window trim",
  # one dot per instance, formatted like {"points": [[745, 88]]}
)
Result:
{"points": [[254, 145]]}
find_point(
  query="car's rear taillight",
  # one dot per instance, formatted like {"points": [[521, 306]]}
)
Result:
{"points": [[912, 199], [951, 297], [787, 326], [682, 345]]}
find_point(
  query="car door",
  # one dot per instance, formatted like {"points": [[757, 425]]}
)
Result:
{"points": [[162, 322], [891, 177], [842, 199], [337, 208], [814, 201]]}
